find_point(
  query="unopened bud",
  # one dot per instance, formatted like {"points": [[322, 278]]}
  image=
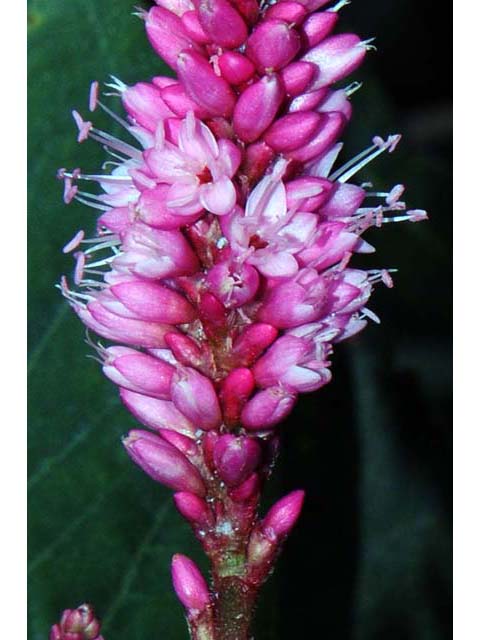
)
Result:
{"points": [[194, 395], [282, 517], [189, 584], [222, 23], [236, 458], [236, 389], [257, 107], [273, 45]]}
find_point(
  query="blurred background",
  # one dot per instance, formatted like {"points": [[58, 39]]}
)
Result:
{"points": [[371, 556]]}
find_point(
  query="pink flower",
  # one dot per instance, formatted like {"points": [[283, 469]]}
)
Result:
{"points": [[199, 169]]}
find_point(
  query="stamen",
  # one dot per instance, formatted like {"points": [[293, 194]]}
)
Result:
{"points": [[368, 313], [79, 267], [115, 143], [339, 5], [74, 242], [117, 84], [84, 126], [352, 88], [93, 96], [365, 157]]}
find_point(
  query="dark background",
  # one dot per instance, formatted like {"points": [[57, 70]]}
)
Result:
{"points": [[371, 556]]}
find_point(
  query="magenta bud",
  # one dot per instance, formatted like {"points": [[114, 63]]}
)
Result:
{"points": [[193, 509], [328, 131], [77, 624], [163, 462], [167, 35], [293, 131], [257, 158], [154, 302], [257, 107], [267, 408], [336, 57], [194, 28], [248, 8], [297, 76], [247, 490], [288, 11], [345, 201], [337, 101], [155, 413], [208, 90], [144, 104], [308, 193], [253, 340], [222, 23], [308, 101], [194, 395], [189, 584], [212, 312], [318, 26], [138, 372], [184, 444], [180, 103], [272, 45], [237, 387], [282, 517], [235, 67], [185, 349], [236, 458]]}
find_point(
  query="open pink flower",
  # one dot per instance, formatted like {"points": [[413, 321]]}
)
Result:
{"points": [[199, 169]]}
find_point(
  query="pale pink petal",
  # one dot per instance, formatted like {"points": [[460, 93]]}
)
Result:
{"points": [[275, 265], [218, 197], [183, 197]]}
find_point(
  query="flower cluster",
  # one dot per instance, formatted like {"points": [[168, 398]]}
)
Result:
{"points": [[221, 269]]}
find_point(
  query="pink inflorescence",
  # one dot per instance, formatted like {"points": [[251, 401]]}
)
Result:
{"points": [[221, 269], [77, 624]]}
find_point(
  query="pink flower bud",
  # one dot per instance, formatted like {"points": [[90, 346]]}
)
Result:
{"points": [[337, 101], [144, 104], [155, 413], [328, 131], [235, 67], [184, 444], [156, 253], [308, 101], [167, 35], [257, 106], [193, 509], [288, 11], [296, 363], [253, 340], [267, 408], [308, 193], [194, 28], [247, 490], [248, 8], [236, 458], [222, 23], [79, 623], [185, 349], [137, 333], [233, 285], [189, 584], [138, 372], [293, 131], [345, 201], [336, 57], [176, 98], [273, 45], [163, 462], [257, 158], [237, 387], [178, 7], [297, 76], [152, 209], [318, 26], [202, 84], [281, 518], [194, 395], [212, 312], [154, 302]]}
